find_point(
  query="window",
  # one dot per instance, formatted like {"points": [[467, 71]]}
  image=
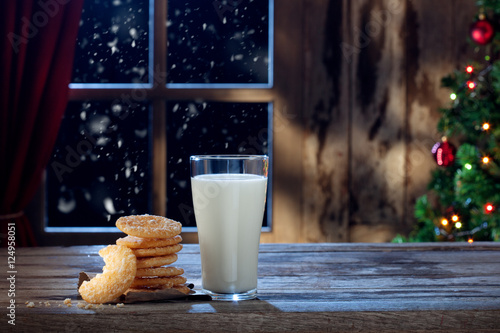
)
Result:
{"points": [[154, 83], [220, 43], [100, 168]]}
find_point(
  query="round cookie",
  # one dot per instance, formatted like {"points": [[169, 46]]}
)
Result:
{"points": [[182, 288], [147, 262], [149, 289], [117, 275], [148, 226], [159, 271], [179, 287], [158, 281], [143, 243], [157, 251]]}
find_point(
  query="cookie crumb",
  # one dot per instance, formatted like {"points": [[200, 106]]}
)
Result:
{"points": [[30, 305], [120, 305], [67, 302]]}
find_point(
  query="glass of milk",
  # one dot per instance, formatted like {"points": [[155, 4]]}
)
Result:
{"points": [[229, 196]]}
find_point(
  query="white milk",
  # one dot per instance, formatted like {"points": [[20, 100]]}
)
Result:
{"points": [[229, 210]]}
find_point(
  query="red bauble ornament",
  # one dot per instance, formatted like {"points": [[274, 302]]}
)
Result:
{"points": [[444, 153], [482, 32]]}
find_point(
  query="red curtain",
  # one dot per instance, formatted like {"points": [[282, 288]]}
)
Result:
{"points": [[36, 59]]}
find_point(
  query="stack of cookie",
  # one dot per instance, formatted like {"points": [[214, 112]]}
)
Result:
{"points": [[155, 241]]}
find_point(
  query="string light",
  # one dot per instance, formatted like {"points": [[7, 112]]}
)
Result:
{"points": [[468, 166], [470, 241], [471, 84], [444, 222], [454, 218], [458, 225], [453, 96], [488, 208], [486, 160], [469, 69], [486, 126]]}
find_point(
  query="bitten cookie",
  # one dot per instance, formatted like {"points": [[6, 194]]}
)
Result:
{"points": [[117, 275]]}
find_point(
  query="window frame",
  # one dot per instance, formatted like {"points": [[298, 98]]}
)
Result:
{"points": [[283, 92]]}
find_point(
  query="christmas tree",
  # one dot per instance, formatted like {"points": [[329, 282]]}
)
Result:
{"points": [[463, 202]]}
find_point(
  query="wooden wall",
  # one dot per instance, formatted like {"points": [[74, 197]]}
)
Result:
{"points": [[372, 72]]}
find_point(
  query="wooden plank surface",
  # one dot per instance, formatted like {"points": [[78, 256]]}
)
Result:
{"points": [[302, 287], [326, 138], [372, 91], [286, 132], [377, 168], [431, 56]]}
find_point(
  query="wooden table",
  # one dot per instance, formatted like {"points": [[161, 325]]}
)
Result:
{"points": [[302, 287]]}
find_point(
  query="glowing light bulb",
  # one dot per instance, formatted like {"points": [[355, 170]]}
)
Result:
{"points": [[468, 166], [469, 69], [471, 84], [453, 96], [444, 222], [486, 126], [454, 218], [489, 208], [458, 225], [486, 160], [470, 241]]}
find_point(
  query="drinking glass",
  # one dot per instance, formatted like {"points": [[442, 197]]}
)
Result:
{"points": [[229, 196]]}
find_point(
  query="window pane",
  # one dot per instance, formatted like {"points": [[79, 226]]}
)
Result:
{"points": [[220, 41], [100, 169], [113, 42], [210, 128]]}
